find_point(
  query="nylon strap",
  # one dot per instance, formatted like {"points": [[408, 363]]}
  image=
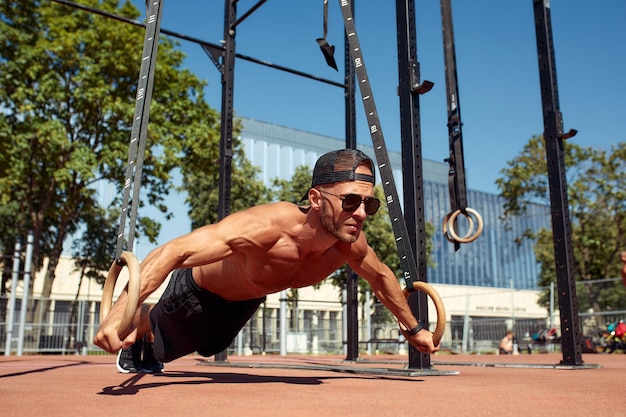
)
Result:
{"points": [[456, 173], [139, 130], [398, 223], [325, 19]]}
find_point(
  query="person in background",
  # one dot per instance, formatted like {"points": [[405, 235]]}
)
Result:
{"points": [[506, 344]]}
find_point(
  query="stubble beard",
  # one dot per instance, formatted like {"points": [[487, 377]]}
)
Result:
{"points": [[331, 226]]}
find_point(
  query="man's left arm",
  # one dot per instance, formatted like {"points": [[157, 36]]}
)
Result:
{"points": [[387, 289]]}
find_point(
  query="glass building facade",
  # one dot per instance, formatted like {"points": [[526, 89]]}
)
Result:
{"points": [[495, 259]]}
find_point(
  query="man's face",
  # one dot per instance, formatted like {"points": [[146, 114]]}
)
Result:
{"points": [[344, 225]]}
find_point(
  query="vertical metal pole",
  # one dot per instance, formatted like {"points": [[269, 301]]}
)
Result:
{"points": [[352, 317], [352, 347], [410, 132], [466, 325], [561, 224], [226, 137], [551, 323], [27, 267], [283, 323], [11, 307], [368, 321], [226, 134]]}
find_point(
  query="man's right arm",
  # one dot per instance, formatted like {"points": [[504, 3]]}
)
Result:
{"points": [[205, 245]]}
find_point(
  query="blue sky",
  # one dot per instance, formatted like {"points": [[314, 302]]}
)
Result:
{"points": [[497, 69]]}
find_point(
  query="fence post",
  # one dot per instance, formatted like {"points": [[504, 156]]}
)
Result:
{"points": [[15, 276], [368, 321], [27, 267], [283, 323]]}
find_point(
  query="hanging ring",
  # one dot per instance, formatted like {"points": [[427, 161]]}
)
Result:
{"points": [[134, 281], [440, 327], [470, 236], [446, 222]]}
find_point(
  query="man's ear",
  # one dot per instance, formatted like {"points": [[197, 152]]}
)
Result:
{"points": [[314, 198]]}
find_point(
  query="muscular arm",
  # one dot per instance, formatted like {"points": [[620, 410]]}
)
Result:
{"points": [[387, 289], [205, 245]]}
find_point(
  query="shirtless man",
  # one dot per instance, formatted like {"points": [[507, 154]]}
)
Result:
{"points": [[222, 272]]}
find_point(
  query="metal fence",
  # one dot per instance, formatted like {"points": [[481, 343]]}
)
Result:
{"points": [[68, 327]]}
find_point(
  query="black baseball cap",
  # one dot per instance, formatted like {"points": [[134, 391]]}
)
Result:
{"points": [[339, 166]]}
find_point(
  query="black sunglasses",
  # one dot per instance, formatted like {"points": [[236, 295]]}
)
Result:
{"points": [[351, 202]]}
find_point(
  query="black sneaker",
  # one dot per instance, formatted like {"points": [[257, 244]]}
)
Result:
{"points": [[149, 364], [129, 360]]}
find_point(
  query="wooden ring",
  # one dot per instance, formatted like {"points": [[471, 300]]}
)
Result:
{"points": [[469, 237], [440, 327], [446, 221], [134, 281]]}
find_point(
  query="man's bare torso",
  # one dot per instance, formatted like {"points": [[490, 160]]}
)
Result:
{"points": [[277, 257]]}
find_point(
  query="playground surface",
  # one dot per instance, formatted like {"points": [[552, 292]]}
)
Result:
{"points": [[320, 386]]}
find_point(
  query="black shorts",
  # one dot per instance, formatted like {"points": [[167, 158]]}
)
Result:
{"points": [[190, 319]]}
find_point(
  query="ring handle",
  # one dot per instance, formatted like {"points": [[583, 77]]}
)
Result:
{"points": [[470, 236], [440, 327], [134, 281], [446, 221]]}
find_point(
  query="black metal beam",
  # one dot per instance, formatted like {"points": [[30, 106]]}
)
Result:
{"points": [[561, 223], [409, 88], [226, 134], [209, 47], [352, 283]]}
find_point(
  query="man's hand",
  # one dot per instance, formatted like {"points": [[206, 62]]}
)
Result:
{"points": [[107, 336], [422, 340]]}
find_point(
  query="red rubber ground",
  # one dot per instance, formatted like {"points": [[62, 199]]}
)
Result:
{"points": [[91, 386]]}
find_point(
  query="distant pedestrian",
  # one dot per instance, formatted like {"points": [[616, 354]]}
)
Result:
{"points": [[506, 344]]}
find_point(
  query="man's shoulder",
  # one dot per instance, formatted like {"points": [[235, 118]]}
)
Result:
{"points": [[273, 215], [277, 209]]}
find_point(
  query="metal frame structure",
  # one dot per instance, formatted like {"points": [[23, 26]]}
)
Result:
{"points": [[409, 89], [554, 136]]}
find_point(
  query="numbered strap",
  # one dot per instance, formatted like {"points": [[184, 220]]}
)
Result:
{"points": [[139, 130], [407, 260]]}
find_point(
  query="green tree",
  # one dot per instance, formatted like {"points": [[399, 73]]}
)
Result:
{"points": [[293, 189], [597, 206], [68, 80], [201, 180]]}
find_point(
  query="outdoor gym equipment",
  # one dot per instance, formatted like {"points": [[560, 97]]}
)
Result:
{"points": [[456, 173], [405, 252], [134, 168]]}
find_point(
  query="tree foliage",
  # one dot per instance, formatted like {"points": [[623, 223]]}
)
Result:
{"points": [[68, 81], [597, 207], [201, 181]]}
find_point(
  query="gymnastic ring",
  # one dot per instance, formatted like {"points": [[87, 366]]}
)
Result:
{"points": [[479, 228], [444, 228], [466, 238], [440, 327], [134, 281]]}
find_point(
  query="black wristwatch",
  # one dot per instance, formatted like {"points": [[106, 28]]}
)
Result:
{"points": [[415, 329]]}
